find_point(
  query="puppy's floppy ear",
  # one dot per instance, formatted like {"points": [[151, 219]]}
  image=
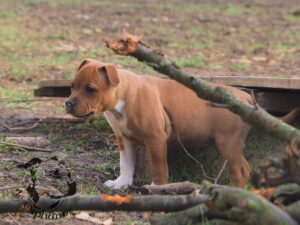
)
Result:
{"points": [[86, 61], [111, 74]]}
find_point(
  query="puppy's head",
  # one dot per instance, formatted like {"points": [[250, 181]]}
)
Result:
{"points": [[93, 89]]}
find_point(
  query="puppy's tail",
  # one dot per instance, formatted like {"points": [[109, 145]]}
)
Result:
{"points": [[288, 118]]}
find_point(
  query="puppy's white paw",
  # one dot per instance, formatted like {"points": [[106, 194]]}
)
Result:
{"points": [[119, 183]]}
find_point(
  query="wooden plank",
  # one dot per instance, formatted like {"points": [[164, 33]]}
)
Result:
{"points": [[52, 92], [255, 82], [273, 94], [252, 82], [55, 83]]}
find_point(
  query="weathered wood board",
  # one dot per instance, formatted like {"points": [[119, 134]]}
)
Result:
{"points": [[273, 94], [241, 81], [256, 82]]}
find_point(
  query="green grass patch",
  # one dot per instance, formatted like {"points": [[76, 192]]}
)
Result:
{"points": [[17, 72], [98, 123], [214, 66], [291, 17], [283, 76], [6, 14], [63, 37], [109, 164], [14, 97], [194, 31], [236, 9], [196, 61], [239, 66]]}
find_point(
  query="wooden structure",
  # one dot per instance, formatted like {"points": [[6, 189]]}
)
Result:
{"points": [[273, 94]]}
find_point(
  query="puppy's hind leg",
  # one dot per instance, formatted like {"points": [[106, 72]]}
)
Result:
{"points": [[231, 148], [127, 151]]}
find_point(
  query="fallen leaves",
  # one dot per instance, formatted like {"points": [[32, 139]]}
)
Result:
{"points": [[267, 193], [87, 217]]}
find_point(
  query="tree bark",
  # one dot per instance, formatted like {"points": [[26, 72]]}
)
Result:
{"points": [[187, 216], [294, 210], [138, 203], [231, 204], [245, 208], [133, 46]]}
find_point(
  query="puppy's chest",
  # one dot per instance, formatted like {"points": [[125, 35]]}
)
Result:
{"points": [[118, 121]]}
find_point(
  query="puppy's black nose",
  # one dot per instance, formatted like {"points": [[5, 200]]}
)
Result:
{"points": [[70, 104]]}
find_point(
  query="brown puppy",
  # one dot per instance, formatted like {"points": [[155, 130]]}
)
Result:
{"points": [[139, 108]]}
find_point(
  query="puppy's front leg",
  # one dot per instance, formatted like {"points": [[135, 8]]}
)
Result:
{"points": [[127, 165], [159, 163]]}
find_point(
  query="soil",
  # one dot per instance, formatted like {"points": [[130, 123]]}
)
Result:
{"points": [[251, 42]]}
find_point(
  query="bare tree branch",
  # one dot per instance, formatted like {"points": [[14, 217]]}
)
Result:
{"points": [[133, 46], [138, 203], [27, 148]]}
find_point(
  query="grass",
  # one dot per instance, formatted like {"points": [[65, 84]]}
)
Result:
{"points": [[195, 61], [237, 9], [239, 66], [259, 146], [290, 17], [6, 15], [63, 37], [13, 98]]}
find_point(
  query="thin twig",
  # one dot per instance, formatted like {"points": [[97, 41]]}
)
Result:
{"points": [[220, 172], [16, 222], [16, 128], [192, 157], [25, 100], [9, 187], [28, 148], [254, 100], [189, 154], [20, 129]]}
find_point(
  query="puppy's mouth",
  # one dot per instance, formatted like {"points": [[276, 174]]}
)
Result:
{"points": [[82, 116], [86, 115]]}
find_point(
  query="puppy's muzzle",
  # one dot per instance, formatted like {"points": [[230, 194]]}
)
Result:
{"points": [[70, 104]]}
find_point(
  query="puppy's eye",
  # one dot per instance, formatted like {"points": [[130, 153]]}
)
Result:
{"points": [[90, 90], [72, 85]]}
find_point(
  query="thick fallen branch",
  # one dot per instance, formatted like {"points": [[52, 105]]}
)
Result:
{"points": [[137, 203], [294, 210], [281, 170], [187, 216], [133, 46], [229, 203], [241, 206], [27, 148]]}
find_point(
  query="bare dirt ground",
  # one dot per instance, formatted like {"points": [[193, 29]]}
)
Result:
{"points": [[43, 39]]}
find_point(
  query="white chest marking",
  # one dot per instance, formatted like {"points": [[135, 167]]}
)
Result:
{"points": [[117, 119]]}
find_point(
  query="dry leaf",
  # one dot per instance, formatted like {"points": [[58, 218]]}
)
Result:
{"points": [[272, 61], [109, 221], [259, 58], [244, 59], [267, 193], [66, 47], [86, 217]]}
